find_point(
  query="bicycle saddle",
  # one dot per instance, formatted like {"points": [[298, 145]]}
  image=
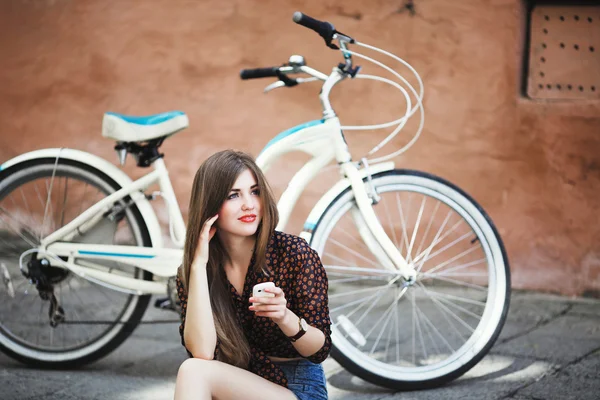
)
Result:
{"points": [[125, 128]]}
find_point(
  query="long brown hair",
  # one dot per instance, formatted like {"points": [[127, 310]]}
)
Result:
{"points": [[213, 182]]}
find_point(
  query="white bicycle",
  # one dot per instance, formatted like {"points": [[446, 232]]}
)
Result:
{"points": [[418, 275]]}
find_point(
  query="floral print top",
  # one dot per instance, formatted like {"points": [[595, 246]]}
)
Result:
{"points": [[297, 270]]}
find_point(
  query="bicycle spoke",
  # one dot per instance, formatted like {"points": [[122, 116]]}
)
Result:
{"points": [[354, 239], [62, 214], [354, 292], [390, 222], [462, 309], [417, 319], [432, 340], [345, 270], [416, 227], [452, 314], [364, 314], [404, 239], [425, 255], [384, 315], [432, 326], [450, 271], [48, 202], [456, 282], [379, 336], [442, 265], [377, 296], [449, 245], [15, 230], [348, 249], [6, 251], [389, 337], [73, 309], [81, 202], [397, 329], [354, 279], [464, 274], [425, 235], [24, 201], [39, 196], [363, 300], [457, 298]]}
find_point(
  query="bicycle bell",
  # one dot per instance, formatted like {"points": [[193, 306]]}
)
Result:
{"points": [[296, 61]]}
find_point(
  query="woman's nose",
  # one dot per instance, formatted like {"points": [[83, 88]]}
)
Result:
{"points": [[247, 205]]}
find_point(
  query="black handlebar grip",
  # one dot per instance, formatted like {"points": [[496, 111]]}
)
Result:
{"points": [[255, 73], [325, 29], [308, 22]]}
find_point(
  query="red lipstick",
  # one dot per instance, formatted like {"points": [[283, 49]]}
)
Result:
{"points": [[248, 218]]}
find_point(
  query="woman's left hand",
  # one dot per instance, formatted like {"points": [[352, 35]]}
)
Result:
{"points": [[271, 307]]}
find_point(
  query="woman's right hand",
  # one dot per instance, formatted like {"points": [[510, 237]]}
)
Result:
{"points": [[207, 233]]}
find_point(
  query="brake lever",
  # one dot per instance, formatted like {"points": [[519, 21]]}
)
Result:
{"points": [[279, 84], [274, 85]]}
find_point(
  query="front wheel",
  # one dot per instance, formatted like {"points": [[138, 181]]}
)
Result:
{"points": [[408, 336], [67, 321]]}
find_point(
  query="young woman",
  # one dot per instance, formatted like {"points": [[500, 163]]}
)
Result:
{"points": [[244, 347]]}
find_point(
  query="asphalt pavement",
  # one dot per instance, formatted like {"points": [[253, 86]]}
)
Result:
{"points": [[548, 349]]}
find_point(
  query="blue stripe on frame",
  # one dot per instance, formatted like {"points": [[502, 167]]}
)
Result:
{"points": [[309, 226], [293, 130], [102, 253]]}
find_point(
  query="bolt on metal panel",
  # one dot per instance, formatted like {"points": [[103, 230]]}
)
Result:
{"points": [[564, 52]]}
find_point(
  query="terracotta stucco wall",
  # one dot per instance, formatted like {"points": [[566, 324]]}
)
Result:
{"points": [[534, 166]]}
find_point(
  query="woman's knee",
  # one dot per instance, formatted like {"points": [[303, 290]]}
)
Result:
{"points": [[194, 368]]}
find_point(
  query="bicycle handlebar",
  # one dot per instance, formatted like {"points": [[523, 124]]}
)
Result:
{"points": [[325, 29], [254, 73]]}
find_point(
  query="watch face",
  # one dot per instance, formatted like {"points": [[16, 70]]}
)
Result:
{"points": [[303, 324]]}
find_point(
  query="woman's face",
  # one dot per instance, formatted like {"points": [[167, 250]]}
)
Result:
{"points": [[241, 211]]}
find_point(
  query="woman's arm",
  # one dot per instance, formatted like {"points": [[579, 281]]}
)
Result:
{"points": [[309, 294], [311, 342], [199, 332], [312, 302]]}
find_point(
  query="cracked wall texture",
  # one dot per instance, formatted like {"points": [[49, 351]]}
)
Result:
{"points": [[534, 166]]}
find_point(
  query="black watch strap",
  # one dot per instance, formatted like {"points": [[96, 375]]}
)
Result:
{"points": [[300, 333]]}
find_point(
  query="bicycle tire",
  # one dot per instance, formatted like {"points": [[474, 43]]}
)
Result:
{"points": [[349, 341], [18, 179]]}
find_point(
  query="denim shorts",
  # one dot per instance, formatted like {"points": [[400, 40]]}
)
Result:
{"points": [[305, 379]]}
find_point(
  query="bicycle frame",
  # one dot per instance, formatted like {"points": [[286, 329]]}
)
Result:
{"points": [[322, 139], [161, 262]]}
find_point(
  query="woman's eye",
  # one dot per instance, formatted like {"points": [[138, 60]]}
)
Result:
{"points": [[256, 192], [232, 196]]}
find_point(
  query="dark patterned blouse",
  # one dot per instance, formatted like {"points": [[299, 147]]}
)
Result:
{"points": [[297, 270]]}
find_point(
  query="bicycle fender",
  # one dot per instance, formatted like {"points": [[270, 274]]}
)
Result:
{"points": [[105, 167], [332, 193]]}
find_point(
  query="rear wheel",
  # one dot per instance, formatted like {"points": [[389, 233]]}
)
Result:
{"points": [[37, 198], [413, 336]]}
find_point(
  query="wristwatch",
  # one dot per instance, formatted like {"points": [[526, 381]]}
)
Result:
{"points": [[303, 328]]}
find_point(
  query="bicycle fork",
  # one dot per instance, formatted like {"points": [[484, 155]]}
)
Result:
{"points": [[372, 232]]}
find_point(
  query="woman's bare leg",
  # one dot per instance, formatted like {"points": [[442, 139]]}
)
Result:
{"points": [[206, 380]]}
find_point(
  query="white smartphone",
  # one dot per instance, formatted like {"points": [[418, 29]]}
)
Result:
{"points": [[259, 290]]}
